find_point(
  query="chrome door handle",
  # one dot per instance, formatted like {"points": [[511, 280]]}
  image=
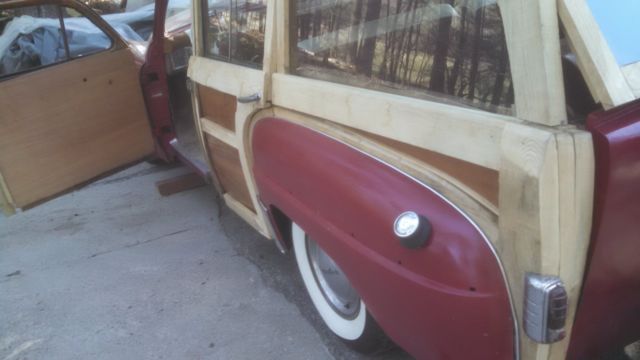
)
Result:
{"points": [[249, 98], [412, 230]]}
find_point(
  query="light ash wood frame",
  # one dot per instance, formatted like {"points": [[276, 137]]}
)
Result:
{"points": [[7, 204], [236, 80], [609, 84], [546, 168]]}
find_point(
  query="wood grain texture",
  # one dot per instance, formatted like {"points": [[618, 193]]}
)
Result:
{"points": [[219, 132], [69, 123], [218, 107], [245, 213], [180, 183], [227, 167], [6, 203], [576, 187], [469, 135], [271, 46], [481, 180], [244, 115], [532, 33], [546, 194], [283, 34], [196, 26], [528, 188], [595, 59], [239, 81], [232, 79]]}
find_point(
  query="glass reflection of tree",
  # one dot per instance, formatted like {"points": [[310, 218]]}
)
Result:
{"points": [[451, 47]]}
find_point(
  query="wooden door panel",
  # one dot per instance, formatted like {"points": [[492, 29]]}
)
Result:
{"points": [[225, 159], [218, 107], [69, 123], [223, 117]]}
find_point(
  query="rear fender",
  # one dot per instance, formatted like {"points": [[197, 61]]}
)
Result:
{"points": [[429, 300]]}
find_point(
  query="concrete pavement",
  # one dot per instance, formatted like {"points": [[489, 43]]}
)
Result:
{"points": [[115, 271]]}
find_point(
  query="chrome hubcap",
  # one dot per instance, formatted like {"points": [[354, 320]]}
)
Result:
{"points": [[334, 285]]}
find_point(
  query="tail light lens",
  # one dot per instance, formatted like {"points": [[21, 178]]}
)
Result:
{"points": [[545, 308]]}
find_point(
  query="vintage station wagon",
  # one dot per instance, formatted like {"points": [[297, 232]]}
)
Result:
{"points": [[459, 176]]}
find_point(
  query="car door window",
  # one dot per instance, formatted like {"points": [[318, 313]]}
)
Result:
{"points": [[38, 36], [451, 51], [83, 37], [234, 31], [30, 38]]}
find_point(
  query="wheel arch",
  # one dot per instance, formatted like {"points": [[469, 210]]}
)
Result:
{"points": [[281, 195]]}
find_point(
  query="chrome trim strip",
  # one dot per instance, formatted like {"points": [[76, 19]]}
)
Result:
{"points": [[475, 225]]}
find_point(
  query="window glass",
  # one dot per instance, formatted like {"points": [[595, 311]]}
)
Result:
{"points": [[234, 31], [217, 29], [178, 17], [83, 36], [617, 20], [30, 38], [451, 51], [134, 23]]}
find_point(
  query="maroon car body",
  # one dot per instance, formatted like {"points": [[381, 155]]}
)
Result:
{"points": [[609, 310], [351, 216]]}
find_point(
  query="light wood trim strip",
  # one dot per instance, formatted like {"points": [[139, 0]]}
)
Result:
{"points": [[270, 58], [532, 33], [6, 202], [576, 188], [197, 28], [236, 80], [528, 189], [465, 134], [595, 59], [219, 132], [546, 194], [282, 51], [244, 212]]}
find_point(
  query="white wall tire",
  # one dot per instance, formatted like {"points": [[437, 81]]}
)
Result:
{"points": [[358, 330]]}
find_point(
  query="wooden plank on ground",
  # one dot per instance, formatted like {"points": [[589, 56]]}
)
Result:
{"points": [[180, 183]]}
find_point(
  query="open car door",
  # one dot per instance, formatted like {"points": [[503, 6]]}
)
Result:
{"points": [[71, 106]]}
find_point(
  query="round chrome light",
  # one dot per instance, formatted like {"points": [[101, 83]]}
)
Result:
{"points": [[406, 224], [412, 230]]}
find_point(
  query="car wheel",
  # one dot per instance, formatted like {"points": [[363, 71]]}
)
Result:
{"points": [[337, 302]]}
